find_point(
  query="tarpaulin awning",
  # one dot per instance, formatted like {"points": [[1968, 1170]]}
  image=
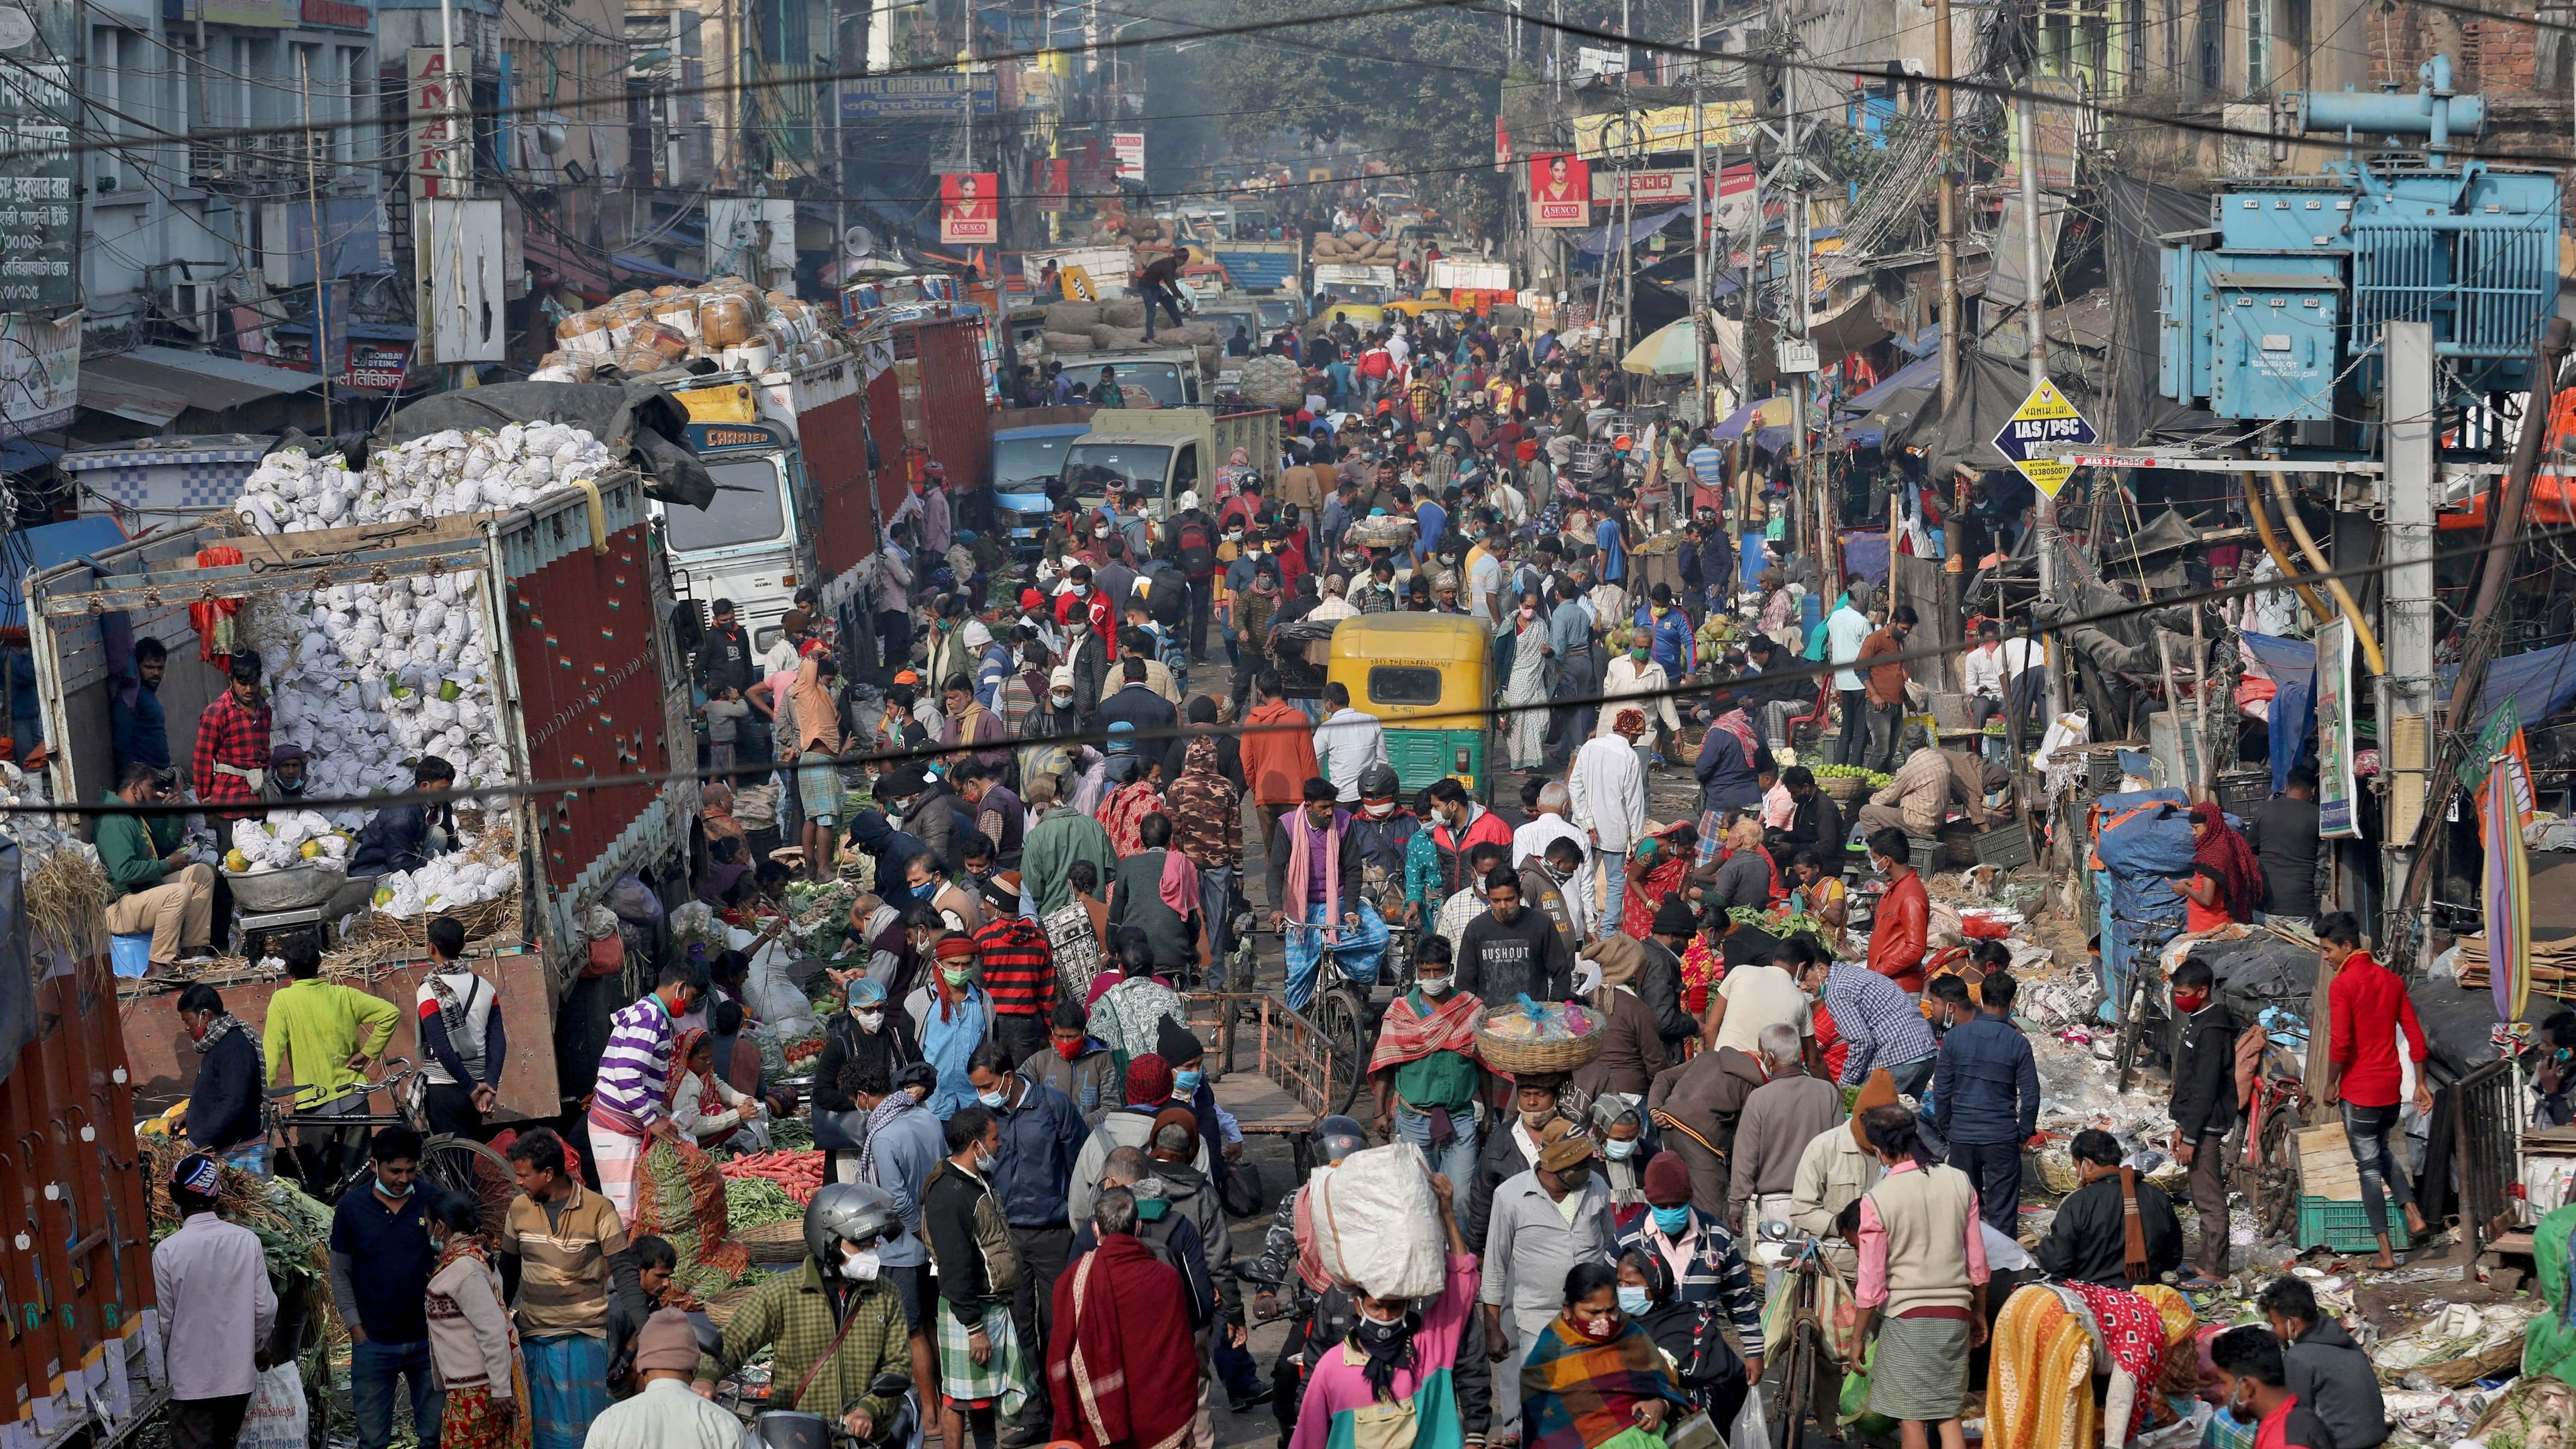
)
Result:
{"points": [[2292, 664], [1923, 372], [45, 546], [629, 264], [1921, 344], [1894, 414], [2539, 684], [1639, 227], [153, 385], [25, 455], [1769, 411]]}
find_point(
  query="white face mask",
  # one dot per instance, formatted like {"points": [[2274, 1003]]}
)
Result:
{"points": [[859, 1266], [1436, 985], [1060, 698], [871, 1020], [1379, 809]]}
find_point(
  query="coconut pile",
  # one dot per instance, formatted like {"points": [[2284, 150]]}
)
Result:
{"points": [[370, 677]]}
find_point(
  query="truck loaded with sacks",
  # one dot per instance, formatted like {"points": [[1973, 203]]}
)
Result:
{"points": [[482, 580]]}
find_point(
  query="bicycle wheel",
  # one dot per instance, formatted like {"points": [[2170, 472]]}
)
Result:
{"points": [[467, 1168], [1343, 1019], [2125, 1059], [1797, 1386]]}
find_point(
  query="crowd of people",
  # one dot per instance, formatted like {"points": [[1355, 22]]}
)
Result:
{"points": [[1028, 1226]]}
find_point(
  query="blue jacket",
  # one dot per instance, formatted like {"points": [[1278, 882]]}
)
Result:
{"points": [[397, 839], [138, 728], [1675, 647], [1725, 776], [1042, 1133], [1607, 537], [1985, 1084]]}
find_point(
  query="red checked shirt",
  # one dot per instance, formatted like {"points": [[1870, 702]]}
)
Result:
{"points": [[233, 735]]}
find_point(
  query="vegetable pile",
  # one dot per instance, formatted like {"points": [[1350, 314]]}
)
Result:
{"points": [[798, 1174], [756, 1202]]}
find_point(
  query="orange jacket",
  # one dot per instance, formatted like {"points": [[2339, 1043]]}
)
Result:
{"points": [[1278, 762], [1886, 682]]}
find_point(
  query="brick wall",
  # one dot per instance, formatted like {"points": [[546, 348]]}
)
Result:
{"points": [[2499, 57]]}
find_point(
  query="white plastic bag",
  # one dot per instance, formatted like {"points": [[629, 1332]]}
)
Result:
{"points": [[1377, 1226], [1751, 1430], [278, 1417]]}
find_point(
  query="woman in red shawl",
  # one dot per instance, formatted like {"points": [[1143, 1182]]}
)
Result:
{"points": [[1658, 865], [2226, 881], [1123, 813], [1122, 1370]]}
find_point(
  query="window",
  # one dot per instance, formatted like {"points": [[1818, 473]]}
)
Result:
{"points": [[1403, 684], [2258, 46], [747, 509], [113, 92]]}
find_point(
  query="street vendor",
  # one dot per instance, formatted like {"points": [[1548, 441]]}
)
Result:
{"points": [[231, 760], [2090, 1240]]}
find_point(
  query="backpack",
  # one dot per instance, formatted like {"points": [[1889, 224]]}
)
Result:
{"points": [[992, 1239], [1198, 556], [1167, 594]]}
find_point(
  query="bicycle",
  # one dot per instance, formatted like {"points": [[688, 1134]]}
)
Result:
{"points": [[1806, 1267], [450, 1162], [2146, 960], [1344, 1011]]}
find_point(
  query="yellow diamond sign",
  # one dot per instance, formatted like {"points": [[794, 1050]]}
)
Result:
{"points": [[2044, 426]]}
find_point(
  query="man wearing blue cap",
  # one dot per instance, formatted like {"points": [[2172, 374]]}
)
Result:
{"points": [[211, 1281], [860, 1033]]}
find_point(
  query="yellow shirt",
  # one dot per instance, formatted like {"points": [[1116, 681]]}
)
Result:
{"points": [[316, 1026]]}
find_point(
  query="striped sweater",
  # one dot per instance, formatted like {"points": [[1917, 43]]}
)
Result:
{"points": [[635, 1069]]}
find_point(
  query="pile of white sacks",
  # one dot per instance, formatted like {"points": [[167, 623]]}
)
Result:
{"points": [[369, 677]]}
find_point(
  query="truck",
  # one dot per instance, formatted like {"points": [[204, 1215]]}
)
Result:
{"points": [[1106, 268], [1171, 376], [1260, 265], [794, 507], [1452, 274], [590, 680], [1349, 289], [1165, 452], [928, 402], [1028, 463]]}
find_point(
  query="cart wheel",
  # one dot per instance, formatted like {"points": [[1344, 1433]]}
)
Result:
{"points": [[470, 1170], [1339, 1013]]}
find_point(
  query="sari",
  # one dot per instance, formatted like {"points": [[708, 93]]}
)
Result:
{"points": [[1528, 687], [1702, 969], [1580, 1394], [2039, 1385], [467, 1420], [1646, 892]]}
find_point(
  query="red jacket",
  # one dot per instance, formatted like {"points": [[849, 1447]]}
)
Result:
{"points": [[1277, 763], [1487, 828], [2365, 1008], [1898, 930], [1098, 605]]}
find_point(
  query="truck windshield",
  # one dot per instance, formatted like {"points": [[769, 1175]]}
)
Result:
{"points": [[1088, 467], [1021, 465], [748, 508], [1162, 380], [1366, 293], [1275, 315]]}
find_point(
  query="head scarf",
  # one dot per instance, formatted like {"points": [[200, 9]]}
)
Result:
{"points": [[1149, 1081], [1176, 1116], [2240, 876], [681, 1049]]}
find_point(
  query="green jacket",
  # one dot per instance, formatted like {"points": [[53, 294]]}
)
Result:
{"points": [[132, 847], [791, 1315]]}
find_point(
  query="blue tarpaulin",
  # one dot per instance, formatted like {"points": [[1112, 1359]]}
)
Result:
{"points": [[1922, 372], [2292, 663], [1639, 228], [2539, 683], [32, 550], [1865, 555]]}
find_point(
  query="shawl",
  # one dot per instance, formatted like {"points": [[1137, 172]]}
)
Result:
{"points": [[1123, 816], [2240, 876], [2132, 1332], [709, 1101], [715, 808], [223, 1026], [1179, 886], [1702, 969], [1120, 1368], [818, 714], [896, 1103], [1299, 879], [1735, 722], [1578, 1394], [1407, 1035]]}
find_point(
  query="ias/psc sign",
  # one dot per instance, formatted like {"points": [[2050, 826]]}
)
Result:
{"points": [[2044, 426]]}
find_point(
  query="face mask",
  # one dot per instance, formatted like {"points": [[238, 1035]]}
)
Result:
{"points": [[1186, 1081], [2188, 1002], [1599, 1329], [1618, 1151], [995, 1100], [1529, 611], [1436, 985], [1671, 1221], [394, 1192], [1070, 1050], [871, 1020], [861, 1266], [953, 978], [1063, 700], [1100, 531], [1633, 1301], [1637, 654], [985, 1162], [1373, 1321], [1378, 809], [1574, 1179], [1508, 915]]}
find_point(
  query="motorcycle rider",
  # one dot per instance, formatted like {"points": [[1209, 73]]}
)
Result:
{"points": [[841, 1345]]}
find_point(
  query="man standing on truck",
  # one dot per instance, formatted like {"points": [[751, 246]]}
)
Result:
{"points": [[1158, 281], [232, 740], [141, 732]]}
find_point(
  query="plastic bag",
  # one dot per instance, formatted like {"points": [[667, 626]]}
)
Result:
{"points": [[1377, 1226], [278, 1417], [1751, 1430]]}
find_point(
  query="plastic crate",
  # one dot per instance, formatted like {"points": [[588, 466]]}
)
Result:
{"points": [[2239, 792], [2104, 770], [1925, 853], [2342, 1226], [2005, 845]]}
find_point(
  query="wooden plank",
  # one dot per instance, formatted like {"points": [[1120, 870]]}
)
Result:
{"points": [[2325, 1165]]}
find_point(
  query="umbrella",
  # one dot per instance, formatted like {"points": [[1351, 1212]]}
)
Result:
{"points": [[1670, 351]]}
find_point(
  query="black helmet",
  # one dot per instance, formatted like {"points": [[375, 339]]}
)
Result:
{"points": [[1377, 782], [1337, 1138], [849, 1212]]}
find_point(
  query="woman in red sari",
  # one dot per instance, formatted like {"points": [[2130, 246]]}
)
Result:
{"points": [[1658, 866]]}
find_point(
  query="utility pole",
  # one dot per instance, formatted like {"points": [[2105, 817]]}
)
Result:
{"points": [[2034, 317], [1945, 189], [1699, 220], [2408, 423]]}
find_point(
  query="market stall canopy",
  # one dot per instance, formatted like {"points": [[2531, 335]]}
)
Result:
{"points": [[1920, 373], [154, 385], [1895, 414], [1637, 230], [1769, 412], [1672, 351], [1962, 435], [2539, 684]]}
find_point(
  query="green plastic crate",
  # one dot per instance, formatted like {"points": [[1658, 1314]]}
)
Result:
{"points": [[2342, 1226]]}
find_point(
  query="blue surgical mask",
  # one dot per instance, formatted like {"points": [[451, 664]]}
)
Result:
{"points": [[1186, 1082], [994, 1100], [1634, 1301], [395, 1192], [1672, 1220], [1618, 1151]]}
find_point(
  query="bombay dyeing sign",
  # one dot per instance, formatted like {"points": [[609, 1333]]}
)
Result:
{"points": [[39, 214]]}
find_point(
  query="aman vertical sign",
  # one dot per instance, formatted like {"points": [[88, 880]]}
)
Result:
{"points": [[39, 200], [2044, 426], [442, 133]]}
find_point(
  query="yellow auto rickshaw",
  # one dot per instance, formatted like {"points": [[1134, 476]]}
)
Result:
{"points": [[1429, 680]]}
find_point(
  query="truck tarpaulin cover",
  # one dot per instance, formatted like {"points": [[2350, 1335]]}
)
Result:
{"points": [[17, 989], [2143, 839], [651, 421]]}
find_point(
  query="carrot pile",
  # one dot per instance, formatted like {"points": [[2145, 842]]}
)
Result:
{"points": [[800, 1174]]}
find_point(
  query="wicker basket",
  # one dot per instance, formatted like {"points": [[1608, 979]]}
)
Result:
{"points": [[1518, 1057], [1844, 789], [774, 1243]]}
